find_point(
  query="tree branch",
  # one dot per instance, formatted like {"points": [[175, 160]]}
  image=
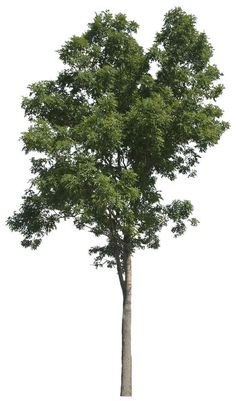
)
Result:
{"points": [[120, 273]]}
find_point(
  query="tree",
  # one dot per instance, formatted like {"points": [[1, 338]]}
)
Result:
{"points": [[106, 129]]}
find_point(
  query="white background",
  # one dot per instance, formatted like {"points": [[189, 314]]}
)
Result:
{"points": [[60, 318]]}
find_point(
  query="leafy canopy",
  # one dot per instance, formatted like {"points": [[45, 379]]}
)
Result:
{"points": [[107, 128]]}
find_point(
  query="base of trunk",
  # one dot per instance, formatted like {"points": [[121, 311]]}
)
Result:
{"points": [[126, 360]]}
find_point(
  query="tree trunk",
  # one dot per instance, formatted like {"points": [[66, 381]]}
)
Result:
{"points": [[126, 367]]}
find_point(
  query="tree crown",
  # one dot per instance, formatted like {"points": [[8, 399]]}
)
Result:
{"points": [[106, 128]]}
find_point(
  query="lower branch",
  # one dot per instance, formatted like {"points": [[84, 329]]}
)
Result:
{"points": [[120, 274]]}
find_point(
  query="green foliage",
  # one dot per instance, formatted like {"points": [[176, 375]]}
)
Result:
{"points": [[106, 129]]}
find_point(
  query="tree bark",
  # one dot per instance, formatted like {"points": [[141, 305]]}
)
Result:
{"points": [[126, 360]]}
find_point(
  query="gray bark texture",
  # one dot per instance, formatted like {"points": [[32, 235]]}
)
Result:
{"points": [[126, 359]]}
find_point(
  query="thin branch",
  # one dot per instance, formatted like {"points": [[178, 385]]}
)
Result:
{"points": [[120, 274]]}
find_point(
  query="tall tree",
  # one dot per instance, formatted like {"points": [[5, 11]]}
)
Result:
{"points": [[106, 129]]}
